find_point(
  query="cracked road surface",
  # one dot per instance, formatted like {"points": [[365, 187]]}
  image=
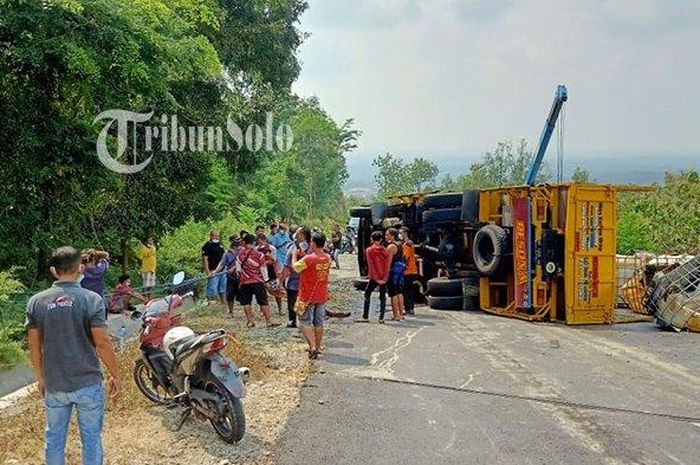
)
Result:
{"points": [[350, 414]]}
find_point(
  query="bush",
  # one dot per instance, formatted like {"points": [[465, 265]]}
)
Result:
{"points": [[181, 250], [664, 221], [11, 319], [11, 353]]}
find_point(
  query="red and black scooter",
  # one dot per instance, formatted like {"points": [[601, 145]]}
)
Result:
{"points": [[177, 367]]}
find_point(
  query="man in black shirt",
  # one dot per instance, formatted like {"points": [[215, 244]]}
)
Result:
{"points": [[212, 252]]}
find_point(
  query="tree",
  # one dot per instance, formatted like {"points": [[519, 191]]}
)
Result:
{"points": [[506, 165], [664, 221], [395, 176], [580, 175], [65, 61]]}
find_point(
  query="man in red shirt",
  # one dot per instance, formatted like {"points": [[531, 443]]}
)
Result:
{"points": [[313, 270], [252, 273], [378, 263]]}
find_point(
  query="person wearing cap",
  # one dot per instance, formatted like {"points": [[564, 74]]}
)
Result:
{"points": [[228, 263]]}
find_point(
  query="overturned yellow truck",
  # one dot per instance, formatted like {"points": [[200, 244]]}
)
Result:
{"points": [[534, 252]]}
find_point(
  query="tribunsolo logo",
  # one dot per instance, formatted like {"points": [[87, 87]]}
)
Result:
{"points": [[137, 132]]}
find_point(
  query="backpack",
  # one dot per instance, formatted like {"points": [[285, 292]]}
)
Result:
{"points": [[398, 266]]}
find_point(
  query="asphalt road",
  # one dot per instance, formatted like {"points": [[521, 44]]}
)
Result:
{"points": [[455, 375]]}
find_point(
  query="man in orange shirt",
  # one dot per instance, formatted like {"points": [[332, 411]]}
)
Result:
{"points": [[313, 270], [411, 273]]}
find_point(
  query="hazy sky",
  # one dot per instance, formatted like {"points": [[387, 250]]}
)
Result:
{"points": [[454, 77]]}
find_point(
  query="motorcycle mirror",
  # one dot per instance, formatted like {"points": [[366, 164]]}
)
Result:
{"points": [[178, 278]]}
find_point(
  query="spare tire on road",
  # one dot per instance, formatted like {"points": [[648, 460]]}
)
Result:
{"points": [[445, 303], [442, 215], [445, 287], [471, 304], [445, 200], [491, 249]]}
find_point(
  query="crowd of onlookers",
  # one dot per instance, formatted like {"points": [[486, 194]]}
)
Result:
{"points": [[67, 323]]}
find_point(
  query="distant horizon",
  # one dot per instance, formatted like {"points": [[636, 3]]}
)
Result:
{"points": [[646, 169]]}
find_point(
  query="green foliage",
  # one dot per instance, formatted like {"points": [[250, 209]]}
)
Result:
{"points": [[633, 232], [69, 60], [181, 250], [664, 221], [396, 176], [11, 319], [11, 353], [580, 175], [507, 165]]}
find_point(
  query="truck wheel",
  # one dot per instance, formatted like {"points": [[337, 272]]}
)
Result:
{"points": [[361, 212], [470, 290], [471, 304], [445, 303], [470, 205], [490, 249], [445, 287], [445, 200], [442, 215]]}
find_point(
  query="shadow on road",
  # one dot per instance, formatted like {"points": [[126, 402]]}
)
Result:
{"points": [[336, 359]]}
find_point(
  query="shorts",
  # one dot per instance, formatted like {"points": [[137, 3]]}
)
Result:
{"points": [[247, 291], [315, 315], [148, 279], [393, 289], [232, 287], [216, 285]]}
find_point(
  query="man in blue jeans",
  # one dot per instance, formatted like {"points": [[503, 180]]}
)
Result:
{"points": [[68, 337], [212, 253]]}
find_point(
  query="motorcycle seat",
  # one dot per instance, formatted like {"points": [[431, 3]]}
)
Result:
{"points": [[182, 345]]}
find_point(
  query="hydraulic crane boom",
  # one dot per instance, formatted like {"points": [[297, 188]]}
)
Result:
{"points": [[559, 98]]}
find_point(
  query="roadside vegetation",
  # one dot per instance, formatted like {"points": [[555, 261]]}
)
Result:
{"points": [[664, 221], [202, 60]]}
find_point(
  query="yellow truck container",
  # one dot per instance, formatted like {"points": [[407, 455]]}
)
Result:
{"points": [[562, 242]]}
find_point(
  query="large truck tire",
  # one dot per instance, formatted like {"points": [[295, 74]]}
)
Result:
{"points": [[470, 290], [470, 205], [445, 303], [442, 215], [471, 304], [445, 287], [491, 249], [446, 200], [361, 212]]}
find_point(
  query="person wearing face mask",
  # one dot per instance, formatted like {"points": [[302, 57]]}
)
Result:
{"points": [[67, 334], [212, 253]]}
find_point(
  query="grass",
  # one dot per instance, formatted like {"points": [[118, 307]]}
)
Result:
{"points": [[22, 425]]}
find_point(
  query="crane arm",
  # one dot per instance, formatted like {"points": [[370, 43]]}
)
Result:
{"points": [[559, 98]]}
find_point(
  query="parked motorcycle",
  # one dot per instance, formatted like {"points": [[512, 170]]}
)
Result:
{"points": [[180, 368]]}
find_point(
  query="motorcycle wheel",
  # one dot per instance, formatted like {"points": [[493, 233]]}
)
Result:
{"points": [[231, 426], [148, 384]]}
